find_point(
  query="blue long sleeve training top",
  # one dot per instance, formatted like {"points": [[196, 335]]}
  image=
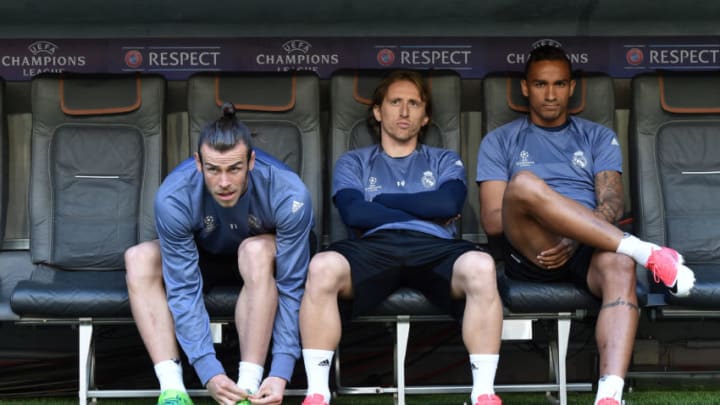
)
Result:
{"points": [[187, 216]]}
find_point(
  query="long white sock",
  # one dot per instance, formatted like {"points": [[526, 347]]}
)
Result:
{"points": [[483, 368], [636, 248], [169, 374], [610, 386], [249, 376], [317, 370]]}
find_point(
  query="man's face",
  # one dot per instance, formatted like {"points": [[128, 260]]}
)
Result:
{"points": [[402, 113], [225, 173], [548, 87]]}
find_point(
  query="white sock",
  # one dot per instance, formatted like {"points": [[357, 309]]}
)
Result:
{"points": [[317, 370], [169, 374], [636, 248], [483, 368], [610, 386], [249, 376]]}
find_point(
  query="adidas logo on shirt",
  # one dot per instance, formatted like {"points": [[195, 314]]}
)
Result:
{"points": [[296, 205]]}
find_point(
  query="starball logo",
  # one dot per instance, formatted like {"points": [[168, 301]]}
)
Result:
{"points": [[43, 56], [298, 55]]}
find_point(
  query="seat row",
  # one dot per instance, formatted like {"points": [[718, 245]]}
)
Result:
{"points": [[99, 151]]}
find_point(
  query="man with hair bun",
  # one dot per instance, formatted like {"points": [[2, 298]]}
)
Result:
{"points": [[230, 215]]}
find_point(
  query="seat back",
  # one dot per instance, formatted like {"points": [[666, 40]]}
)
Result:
{"points": [[96, 164], [281, 109], [503, 101], [351, 93], [675, 166]]}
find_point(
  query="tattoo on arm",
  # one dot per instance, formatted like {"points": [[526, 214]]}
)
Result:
{"points": [[609, 195], [618, 302]]}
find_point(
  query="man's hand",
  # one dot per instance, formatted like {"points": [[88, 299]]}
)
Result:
{"points": [[271, 392], [557, 255], [446, 221], [224, 390]]}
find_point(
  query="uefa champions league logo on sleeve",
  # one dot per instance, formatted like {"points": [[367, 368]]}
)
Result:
{"points": [[209, 224]]}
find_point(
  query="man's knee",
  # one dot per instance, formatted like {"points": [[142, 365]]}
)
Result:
{"points": [[476, 271], [143, 261], [256, 258], [326, 273], [523, 185], [257, 247], [616, 271]]}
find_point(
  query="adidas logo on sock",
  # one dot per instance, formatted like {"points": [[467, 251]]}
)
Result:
{"points": [[324, 363], [474, 366]]}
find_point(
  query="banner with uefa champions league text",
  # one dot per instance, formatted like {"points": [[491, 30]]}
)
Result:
{"points": [[472, 58]]}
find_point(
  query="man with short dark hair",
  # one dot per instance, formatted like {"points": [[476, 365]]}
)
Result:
{"points": [[231, 215], [551, 184]]}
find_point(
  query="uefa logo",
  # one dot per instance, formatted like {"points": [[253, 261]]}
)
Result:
{"points": [[133, 59], [386, 57], [634, 56], [42, 47], [545, 42]]}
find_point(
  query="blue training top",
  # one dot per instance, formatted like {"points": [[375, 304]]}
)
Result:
{"points": [[418, 192], [567, 157], [186, 216]]}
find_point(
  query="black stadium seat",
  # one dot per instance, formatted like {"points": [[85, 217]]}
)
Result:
{"points": [[96, 163], [675, 169]]}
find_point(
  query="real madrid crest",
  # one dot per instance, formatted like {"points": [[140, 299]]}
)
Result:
{"points": [[579, 159], [428, 180]]}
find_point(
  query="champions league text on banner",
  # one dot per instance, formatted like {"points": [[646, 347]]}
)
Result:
{"points": [[472, 58]]}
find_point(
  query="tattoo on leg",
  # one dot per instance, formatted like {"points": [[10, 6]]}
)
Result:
{"points": [[619, 302]]}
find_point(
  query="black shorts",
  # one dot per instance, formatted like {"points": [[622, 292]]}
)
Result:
{"points": [[223, 269], [218, 270], [575, 270], [386, 260]]}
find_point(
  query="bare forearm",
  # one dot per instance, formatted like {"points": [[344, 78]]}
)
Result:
{"points": [[609, 194]]}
